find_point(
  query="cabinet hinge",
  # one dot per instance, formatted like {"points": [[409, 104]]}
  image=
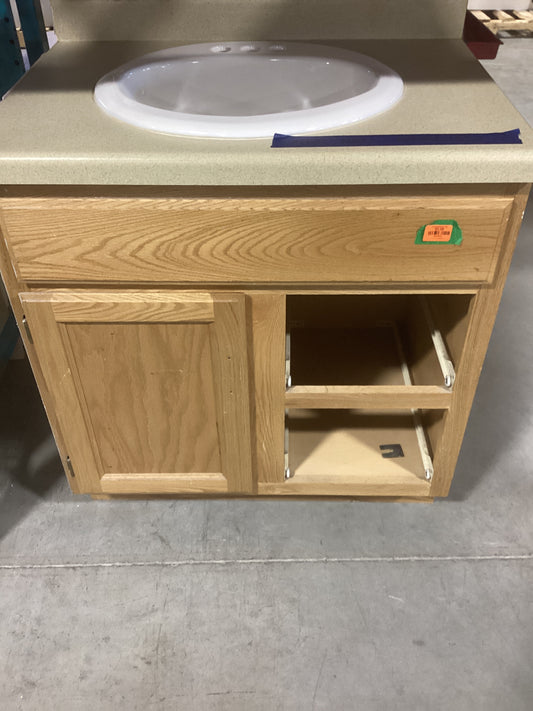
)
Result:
{"points": [[27, 329], [70, 467]]}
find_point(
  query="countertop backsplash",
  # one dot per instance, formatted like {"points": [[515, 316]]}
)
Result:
{"points": [[201, 20]]}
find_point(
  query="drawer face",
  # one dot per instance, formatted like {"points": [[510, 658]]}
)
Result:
{"points": [[265, 240]]}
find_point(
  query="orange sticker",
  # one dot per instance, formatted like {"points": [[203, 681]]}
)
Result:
{"points": [[437, 233]]}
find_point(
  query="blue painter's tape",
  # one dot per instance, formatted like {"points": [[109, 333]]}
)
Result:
{"points": [[281, 140]]}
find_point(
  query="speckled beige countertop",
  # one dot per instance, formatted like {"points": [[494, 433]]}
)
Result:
{"points": [[53, 132]]}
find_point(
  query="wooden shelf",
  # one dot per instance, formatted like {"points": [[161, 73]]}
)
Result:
{"points": [[369, 397], [343, 451], [367, 352]]}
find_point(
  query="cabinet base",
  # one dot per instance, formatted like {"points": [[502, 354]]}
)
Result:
{"points": [[376, 499]]}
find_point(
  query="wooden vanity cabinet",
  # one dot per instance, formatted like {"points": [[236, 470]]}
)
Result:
{"points": [[274, 342]]}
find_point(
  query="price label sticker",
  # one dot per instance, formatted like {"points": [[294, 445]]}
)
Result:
{"points": [[440, 232], [437, 233]]}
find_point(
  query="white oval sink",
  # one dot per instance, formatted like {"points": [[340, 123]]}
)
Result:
{"points": [[248, 89]]}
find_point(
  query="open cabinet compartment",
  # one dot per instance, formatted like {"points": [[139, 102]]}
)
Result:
{"points": [[381, 341], [363, 453], [369, 381]]}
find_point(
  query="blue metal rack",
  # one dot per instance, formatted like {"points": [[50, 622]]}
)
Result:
{"points": [[33, 29], [35, 39], [11, 62]]}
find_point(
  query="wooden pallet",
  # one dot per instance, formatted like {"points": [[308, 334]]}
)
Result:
{"points": [[506, 21]]}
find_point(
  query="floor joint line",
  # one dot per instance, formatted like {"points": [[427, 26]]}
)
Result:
{"points": [[265, 561]]}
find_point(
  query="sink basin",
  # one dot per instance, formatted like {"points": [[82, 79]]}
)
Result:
{"points": [[248, 89]]}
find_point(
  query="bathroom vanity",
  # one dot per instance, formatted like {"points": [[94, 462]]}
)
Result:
{"points": [[220, 318]]}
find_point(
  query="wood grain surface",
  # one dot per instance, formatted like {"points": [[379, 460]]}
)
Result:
{"points": [[340, 452], [474, 330], [371, 397], [146, 405], [269, 240], [166, 390], [268, 336]]}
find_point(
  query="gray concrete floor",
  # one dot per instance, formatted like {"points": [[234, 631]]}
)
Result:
{"points": [[276, 605]]}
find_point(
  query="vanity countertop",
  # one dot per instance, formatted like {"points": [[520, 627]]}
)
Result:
{"points": [[54, 133]]}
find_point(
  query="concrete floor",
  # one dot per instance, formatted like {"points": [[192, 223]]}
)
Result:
{"points": [[276, 605]]}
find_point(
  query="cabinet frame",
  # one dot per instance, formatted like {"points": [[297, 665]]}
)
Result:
{"points": [[263, 302]]}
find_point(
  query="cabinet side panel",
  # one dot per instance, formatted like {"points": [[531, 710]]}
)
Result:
{"points": [[57, 369], [482, 315], [452, 316], [13, 288]]}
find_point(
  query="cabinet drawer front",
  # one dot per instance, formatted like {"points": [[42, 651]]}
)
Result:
{"points": [[270, 240]]}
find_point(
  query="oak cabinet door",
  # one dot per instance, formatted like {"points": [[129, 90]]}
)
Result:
{"points": [[150, 388]]}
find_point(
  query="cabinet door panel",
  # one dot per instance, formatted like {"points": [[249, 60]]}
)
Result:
{"points": [[146, 387], [152, 410]]}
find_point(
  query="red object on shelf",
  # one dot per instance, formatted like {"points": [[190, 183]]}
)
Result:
{"points": [[480, 40]]}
